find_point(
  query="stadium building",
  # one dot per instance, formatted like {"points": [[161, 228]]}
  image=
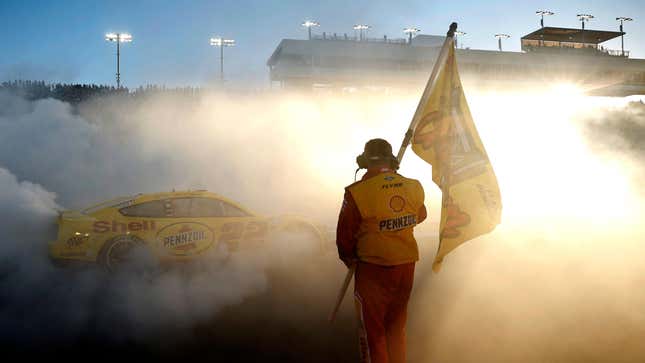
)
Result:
{"points": [[548, 55]]}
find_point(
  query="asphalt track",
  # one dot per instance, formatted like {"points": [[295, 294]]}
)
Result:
{"points": [[285, 323]]}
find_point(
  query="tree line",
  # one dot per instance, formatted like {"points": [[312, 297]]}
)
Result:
{"points": [[77, 93]]}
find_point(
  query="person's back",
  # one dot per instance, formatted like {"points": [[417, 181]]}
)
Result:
{"points": [[389, 205], [375, 232]]}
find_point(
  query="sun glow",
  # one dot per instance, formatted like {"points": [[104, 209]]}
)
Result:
{"points": [[546, 170]]}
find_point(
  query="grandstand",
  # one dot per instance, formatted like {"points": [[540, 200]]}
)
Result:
{"points": [[548, 54]]}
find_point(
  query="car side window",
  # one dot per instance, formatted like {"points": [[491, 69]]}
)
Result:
{"points": [[180, 207], [152, 209], [232, 211], [206, 207], [183, 208]]}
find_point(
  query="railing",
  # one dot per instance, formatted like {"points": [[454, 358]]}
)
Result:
{"points": [[354, 38], [565, 47], [615, 52]]}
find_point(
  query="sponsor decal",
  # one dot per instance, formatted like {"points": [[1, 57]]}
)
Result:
{"points": [[76, 241], [231, 234], [455, 219], [123, 227], [389, 178], [397, 203], [395, 224], [182, 239], [391, 185], [445, 132], [491, 199]]}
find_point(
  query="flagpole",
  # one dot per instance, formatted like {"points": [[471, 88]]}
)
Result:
{"points": [[342, 292], [441, 59]]}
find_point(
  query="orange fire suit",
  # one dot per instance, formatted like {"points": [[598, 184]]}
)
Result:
{"points": [[375, 228]]}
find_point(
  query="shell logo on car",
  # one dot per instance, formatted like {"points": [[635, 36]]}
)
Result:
{"points": [[173, 226], [114, 226], [183, 239]]}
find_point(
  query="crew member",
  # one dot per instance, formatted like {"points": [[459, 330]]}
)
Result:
{"points": [[374, 231]]}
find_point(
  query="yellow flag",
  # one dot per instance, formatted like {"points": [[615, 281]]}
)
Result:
{"points": [[446, 137]]}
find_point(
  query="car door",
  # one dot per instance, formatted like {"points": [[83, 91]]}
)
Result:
{"points": [[234, 228], [183, 236], [142, 220]]}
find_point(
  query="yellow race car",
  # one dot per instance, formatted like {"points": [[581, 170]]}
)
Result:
{"points": [[174, 226]]}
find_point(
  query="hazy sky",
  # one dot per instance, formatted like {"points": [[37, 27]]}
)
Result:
{"points": [[63, 40]]}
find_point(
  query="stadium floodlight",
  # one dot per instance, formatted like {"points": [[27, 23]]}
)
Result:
{"points": [[458, 33], [410, 31], [118, 38], [542, 13], [222, 43], [308, 24], [584, 18], [499, 40], [361, 28], [622, 19]]}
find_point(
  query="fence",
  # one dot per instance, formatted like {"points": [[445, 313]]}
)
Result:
{"points": [[356, 38]]}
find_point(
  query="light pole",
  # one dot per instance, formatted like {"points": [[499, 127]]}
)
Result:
{"points": [[221, 43], [458, 33], [410, 31], [542, 13], [622, 41], [499, 40], [118, 38], [584, 18], [360, 28], [308, 24]]}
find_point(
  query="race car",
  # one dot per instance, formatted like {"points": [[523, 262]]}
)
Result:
{"points": [[173, 226]]}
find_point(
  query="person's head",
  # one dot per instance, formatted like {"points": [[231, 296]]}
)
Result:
{"points": [[377, 152]]}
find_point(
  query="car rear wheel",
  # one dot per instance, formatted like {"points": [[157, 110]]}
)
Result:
{"points": [[310, 238]]}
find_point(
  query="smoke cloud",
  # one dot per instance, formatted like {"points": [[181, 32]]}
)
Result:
{"points": [[119, 147], [42, 303], [557, 281], [621, 133]]}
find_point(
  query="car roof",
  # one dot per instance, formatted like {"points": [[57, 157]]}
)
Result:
{"points": [[140, 198]]}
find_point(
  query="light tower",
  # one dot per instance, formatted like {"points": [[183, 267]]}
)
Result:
{"points": [[360, 28], [118, 38], [458, 33], [542, 13], [622, 19], [410, 31], [499, 40], [308, 24], [221, 43], [584, 18]]}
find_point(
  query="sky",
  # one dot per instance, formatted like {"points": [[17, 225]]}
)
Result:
{"points": [[63, 41]]}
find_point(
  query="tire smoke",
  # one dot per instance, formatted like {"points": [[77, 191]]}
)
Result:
{"points": [[557, 281]]}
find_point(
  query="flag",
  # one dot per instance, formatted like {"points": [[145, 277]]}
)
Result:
{"points": [[445, 136]]}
